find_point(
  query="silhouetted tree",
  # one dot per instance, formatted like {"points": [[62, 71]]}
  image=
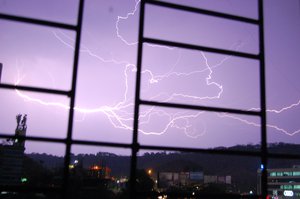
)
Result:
{"points": [[143, 182]]}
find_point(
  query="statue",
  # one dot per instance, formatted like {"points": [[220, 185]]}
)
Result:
{"points": [[18, 117], [21, 122], [24, 121], [20, 130]]}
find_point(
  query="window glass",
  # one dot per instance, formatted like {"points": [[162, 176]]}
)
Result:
{"points": [[296, 173], [296, 186], [279, 174], [288, 186], [287, 173]]}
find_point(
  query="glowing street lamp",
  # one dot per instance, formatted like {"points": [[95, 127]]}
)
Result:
{"points": [[23, 180]]}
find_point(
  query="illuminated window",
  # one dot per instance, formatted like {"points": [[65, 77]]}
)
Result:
{"points": [[287, 173], [286, 187], [296, 186], [296, 173], [279, 174]]}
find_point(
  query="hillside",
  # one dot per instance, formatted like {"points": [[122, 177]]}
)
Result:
{"points": [[242, 169]]}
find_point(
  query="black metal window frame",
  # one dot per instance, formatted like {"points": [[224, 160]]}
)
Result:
{"points": [[263, 154]]}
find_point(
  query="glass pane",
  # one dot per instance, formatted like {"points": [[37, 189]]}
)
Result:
{"points": [[198, 129], [46, 115], [181, 26], [36, 56], [247, 8], [195, 77], [106, 76], [282, 46], [64, 11]]}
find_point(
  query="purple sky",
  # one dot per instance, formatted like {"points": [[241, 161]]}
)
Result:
{"points": [[42, 56]]}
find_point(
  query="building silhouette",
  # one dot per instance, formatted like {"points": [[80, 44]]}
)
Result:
{"points": [[283, 182], [12, 155], [100, 172]]}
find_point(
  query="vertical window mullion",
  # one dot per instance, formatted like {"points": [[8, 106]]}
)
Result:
{"points": [[68, 141]]}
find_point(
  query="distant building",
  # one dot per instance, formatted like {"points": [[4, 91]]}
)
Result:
{"points": [[12, 154], [196, 177], [176, 179], [283, 183], [217, 179], [101, 172], [189, 179]]}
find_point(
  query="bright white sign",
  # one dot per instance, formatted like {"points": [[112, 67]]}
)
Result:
{"points": [[288, 193]]}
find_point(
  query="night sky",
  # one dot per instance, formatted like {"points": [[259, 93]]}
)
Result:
{"points": [[43, 57]]}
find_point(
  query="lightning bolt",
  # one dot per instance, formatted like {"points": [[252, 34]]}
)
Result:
{"points": [[129, 14], [120, 18], [280, 110], [275, 127], [121, 118]]}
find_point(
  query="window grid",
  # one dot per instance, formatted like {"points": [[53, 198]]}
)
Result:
{"points": [[259, 57], [135, 146]]}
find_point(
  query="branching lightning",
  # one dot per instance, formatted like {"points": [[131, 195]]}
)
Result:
{"points": [[120, 18], [125, 18], [120, 115]]}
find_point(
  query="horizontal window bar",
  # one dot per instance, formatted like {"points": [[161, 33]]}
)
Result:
{"points": [[38, 22], [199, 150], [201, 48], [35, 89], [220, 152], [33, 138], [201, 108], [96, 143], [150, 147], [203, 11], [64, 141]]}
